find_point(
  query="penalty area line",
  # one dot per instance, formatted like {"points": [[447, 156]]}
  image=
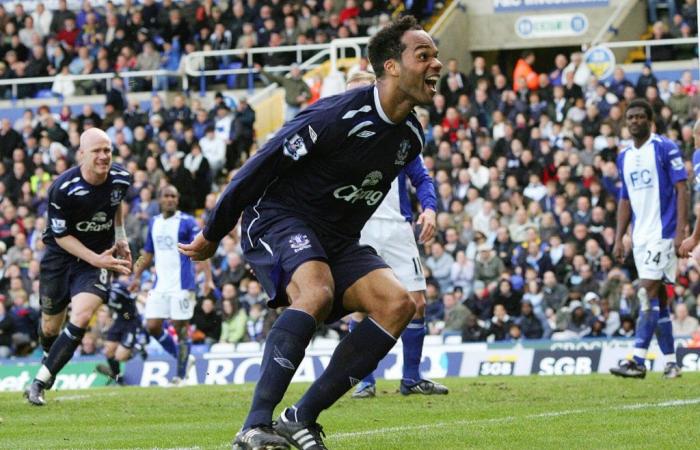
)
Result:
{"points": [[505, 419]]}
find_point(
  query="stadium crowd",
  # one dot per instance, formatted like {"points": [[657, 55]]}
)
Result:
{"points": [[148, 35], [523, 163]]}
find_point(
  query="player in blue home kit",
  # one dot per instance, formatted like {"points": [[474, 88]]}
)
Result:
{"points": [[390, 233], [126, 334], [690, 245], [85, 240], [173, 295], [654, 196], [305, 197]]}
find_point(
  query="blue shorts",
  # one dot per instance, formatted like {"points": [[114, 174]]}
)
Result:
{"points": [[275, 244], [64, 276], [126, 332]]}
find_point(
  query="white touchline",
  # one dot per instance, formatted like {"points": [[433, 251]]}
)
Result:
{"points": [[498, 420], [84, 396]]}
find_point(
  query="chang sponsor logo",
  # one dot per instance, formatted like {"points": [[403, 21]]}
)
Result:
{"points": [[352, 193], [96, 224]]}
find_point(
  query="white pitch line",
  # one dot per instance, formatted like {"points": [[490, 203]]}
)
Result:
{"points": [[498, 420], [84, 396]]}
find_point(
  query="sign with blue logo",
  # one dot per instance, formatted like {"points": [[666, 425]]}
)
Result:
{"points": [[601, 61], [551, 26], [506, 6]]}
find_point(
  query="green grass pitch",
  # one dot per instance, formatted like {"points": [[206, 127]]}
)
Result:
{"points": [[571, 412]]}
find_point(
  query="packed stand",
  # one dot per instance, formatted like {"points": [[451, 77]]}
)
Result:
{"points": [[524, 168], [152, 35]]}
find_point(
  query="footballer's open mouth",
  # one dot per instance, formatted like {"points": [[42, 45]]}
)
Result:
{"points": [[432, 81]]}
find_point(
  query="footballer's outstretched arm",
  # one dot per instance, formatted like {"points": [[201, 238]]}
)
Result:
{"points": [[682, 219], [425, 189], [120, 240]]}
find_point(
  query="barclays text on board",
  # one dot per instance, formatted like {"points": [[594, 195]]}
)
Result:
{"points": [[502, 6]]}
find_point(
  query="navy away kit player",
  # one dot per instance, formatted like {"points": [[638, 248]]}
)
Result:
{"points": [[390, 232], [85, 240], [126, 334], [305, 197]]}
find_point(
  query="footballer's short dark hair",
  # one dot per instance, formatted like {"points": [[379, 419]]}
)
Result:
{"points": [[641, 103], [386, 44]]}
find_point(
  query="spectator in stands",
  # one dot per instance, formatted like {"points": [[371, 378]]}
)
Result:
{"points": [[488, 266], [254, 295], [440, 264], [6, 332], [683, 324], [242, 133], [530, 325], [207, 322], [234, 320], [213, 149], [500, 323], [524, 76], [255, 325], [297, 92], [455, 314]]}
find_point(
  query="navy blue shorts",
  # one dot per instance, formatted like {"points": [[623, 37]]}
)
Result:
{"points": [[275, 244], [126, 332], [63, 276]]}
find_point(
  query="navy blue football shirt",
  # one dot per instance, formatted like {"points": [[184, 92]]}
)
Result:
{"points": [[121, 301], [331, 165], [83, 210]]}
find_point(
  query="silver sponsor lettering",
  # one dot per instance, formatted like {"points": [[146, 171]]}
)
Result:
{"points": [[89, 226], [353, 193]]}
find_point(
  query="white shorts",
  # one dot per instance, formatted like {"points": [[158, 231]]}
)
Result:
{"points": [[656, 260], [395, 243], [174, 305]]}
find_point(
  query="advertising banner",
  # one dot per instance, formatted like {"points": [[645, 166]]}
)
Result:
{"points": [[507, 6], [551, 26], [76, 375], [462, 360]]}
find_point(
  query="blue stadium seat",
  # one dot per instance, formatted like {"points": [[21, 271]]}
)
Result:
{"points": [[44, 93]]}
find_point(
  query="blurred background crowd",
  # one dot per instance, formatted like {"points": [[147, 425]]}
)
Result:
{"points": [[523, 165]]}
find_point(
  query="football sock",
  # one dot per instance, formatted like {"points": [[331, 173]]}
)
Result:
{"points": [[284, 351], [412, 338], [645, 330], [114, 366], [182, 356], [63, 349], [664, 334], [166, 341], [355, 356], [369, 379]]}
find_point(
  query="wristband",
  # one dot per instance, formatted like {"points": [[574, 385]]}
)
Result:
{"points": [[119, 233]]}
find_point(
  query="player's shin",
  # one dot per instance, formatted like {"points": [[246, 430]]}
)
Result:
{"points": [[664, 334], [355, 356], [646, 326], [369, 379], [412, 339], [166, 341], [61, 352], [284, 351], [114, 367], [45, 341], [183, 356]]}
